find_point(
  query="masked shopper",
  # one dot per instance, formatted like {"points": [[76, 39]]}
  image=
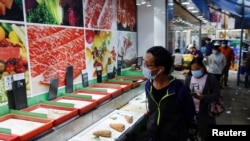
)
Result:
{"points": [[170, 105], [205, 89], [230, 57], [216, 62]]}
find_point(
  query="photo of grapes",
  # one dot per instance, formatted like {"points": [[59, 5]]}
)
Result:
{"points": [[100, 50], [13, 55]]}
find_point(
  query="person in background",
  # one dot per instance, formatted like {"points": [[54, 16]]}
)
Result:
{"points": [[170, 105], [178, 60], [205, 88], [216, 62], [247, 69], [208, 46], [194, 51], [230, 57]]}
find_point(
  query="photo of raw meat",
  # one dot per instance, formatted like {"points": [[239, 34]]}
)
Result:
{"points": [[126, 15], [51, 50], [11, 10], [100, 50], [56, 12], [127, 46], [100, 14]]}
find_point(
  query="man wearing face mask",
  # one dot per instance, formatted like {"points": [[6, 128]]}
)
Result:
{"points": [[230, 57], [170, 105], [216, 62]]}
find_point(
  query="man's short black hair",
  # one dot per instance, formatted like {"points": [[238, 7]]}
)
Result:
{"points": [[162, 57]]}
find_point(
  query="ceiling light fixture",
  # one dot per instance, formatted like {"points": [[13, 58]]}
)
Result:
{"points": [[143, 1], [138, 2], [190, 7], [185, 2], [149, 3]]}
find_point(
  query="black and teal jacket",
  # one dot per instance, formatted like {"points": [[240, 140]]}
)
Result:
{"points": [[170, 116]]}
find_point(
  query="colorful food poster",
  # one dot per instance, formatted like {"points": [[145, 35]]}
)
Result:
{"points": [[126, 15], [100, 14], [101, 50], [51, 50], [127, 43], [57, 12], [11, 10], [13, 54]]}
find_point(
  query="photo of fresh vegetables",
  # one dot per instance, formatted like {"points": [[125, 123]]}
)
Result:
{"points": [[11, 10], [100, 50], [56, 12], [13, 54]]}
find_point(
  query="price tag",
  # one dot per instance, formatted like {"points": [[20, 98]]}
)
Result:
{"points": [[8, 82], [110, 68], [18, 76]]}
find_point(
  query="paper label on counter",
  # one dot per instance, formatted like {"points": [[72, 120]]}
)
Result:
{"points": [[8, 82], [18, 76]]}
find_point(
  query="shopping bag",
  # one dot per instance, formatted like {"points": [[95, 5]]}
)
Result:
{"points": [[216, 108]]}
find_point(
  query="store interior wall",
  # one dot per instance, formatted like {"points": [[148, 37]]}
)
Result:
{"points": [[151, 26]]}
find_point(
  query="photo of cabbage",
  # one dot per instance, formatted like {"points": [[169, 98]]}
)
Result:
{"points": [[56, 12]]}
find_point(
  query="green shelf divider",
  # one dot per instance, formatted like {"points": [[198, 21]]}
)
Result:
{"points": [[94, 90], [39, 115], [78, 96], [5, 130], [58, 103]]}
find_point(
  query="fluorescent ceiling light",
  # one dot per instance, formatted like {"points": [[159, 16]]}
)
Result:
{"points": [[149, 3], [190, 7], [194, 11], [138, 2], [143, 1]]}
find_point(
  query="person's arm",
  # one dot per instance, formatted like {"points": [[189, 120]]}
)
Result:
{"points": [[212, 90], [232, 56], [224, 61], [187, 104]]}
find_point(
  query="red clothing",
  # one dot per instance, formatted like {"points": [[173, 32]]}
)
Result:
{"points": [[229, 54]]}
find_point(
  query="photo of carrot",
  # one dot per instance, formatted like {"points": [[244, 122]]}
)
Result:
{"points": [[117, 126], [102, 133], [128, 118]]}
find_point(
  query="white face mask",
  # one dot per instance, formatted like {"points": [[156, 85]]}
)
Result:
{"points": [[214, 51], [147, 73]]}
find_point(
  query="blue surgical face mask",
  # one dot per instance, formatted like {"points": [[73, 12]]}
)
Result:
{"points": [[197, 73], [147, 73]]}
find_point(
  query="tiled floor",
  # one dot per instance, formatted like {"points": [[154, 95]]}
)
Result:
{"points": [[237, 103]]}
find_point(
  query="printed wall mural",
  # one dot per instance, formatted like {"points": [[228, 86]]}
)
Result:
{"points": [[126, 15], [100, 14], [81, 33], [127, 47], [100, 50], [58, 12], [51, 50]]}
